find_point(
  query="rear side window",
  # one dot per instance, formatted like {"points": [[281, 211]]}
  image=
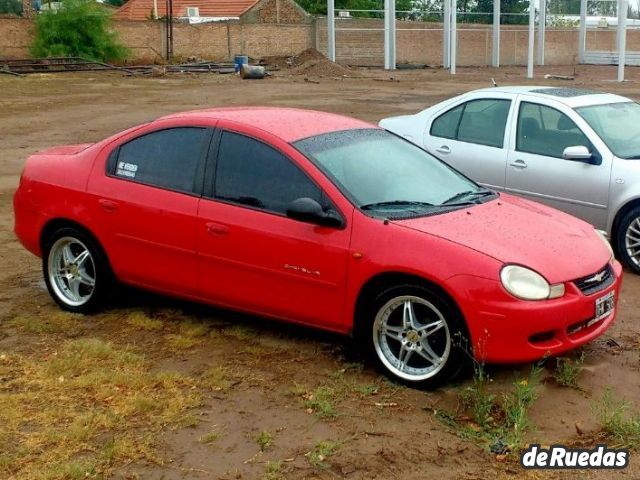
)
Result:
{"points": [[251, 173], [166, 158], [482, 122]]}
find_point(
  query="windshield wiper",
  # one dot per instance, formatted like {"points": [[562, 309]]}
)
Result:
{"points": [[467, 193], [395, 203], [633, 157]]}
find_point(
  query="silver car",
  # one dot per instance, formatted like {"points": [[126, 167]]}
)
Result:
{"points": [[575, 150]]}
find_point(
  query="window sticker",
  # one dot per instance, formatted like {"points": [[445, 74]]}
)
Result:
{"points": [[126, 170]]}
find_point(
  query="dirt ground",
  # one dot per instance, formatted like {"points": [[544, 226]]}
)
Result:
{"points": [[231, 396]]}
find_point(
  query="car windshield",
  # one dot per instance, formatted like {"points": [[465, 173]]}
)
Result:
{"points": [[618, 125], [381, 172]]}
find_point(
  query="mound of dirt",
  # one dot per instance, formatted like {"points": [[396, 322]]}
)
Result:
{"points": [[309, 62]]}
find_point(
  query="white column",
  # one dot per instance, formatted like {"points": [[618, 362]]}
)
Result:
{"points": [[392, 34], [542, 26], [582, 33], [387, 32], [532, 31], [446, 35], [496, 34], [453, 43], [623, 6], [331, 30]]}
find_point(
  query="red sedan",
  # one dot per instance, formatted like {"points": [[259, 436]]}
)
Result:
{"points": [[321, 220]]}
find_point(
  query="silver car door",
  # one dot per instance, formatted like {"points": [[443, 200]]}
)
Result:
{"points": [[537, 169], [471, 136]]}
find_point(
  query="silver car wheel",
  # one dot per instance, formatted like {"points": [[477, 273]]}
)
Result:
{"points": [[411, 338], [632, 241], [72, 271]]}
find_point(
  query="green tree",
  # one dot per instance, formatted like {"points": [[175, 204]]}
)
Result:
{"points": [[80, 28], [11, 7], [319, 7], [513, 12]]}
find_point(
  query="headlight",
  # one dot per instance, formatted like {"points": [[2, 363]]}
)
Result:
{"points": [[603, 237], [526, 284]]}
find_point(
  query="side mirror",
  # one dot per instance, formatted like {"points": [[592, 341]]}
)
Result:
{"points": [[309, 211], [578, 153]]}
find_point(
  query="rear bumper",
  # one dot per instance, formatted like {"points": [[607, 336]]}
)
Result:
{"points": [[504, 329]]}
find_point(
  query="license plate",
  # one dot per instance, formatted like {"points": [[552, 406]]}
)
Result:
{"points": [[604, 306]]}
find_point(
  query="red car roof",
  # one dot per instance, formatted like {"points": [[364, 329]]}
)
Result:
{"points": [[290, 124]]}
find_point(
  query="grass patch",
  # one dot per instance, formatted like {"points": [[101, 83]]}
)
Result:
{"points": [[181, 342], [265, 439], [211, 437], [321, 452], [216, 379], [568, 370], [342, 384], [273, 470], [56, 410], [618, 422], [57, 322], [498, 422], [141, 321]]}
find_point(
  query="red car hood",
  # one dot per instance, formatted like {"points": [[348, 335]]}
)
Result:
{"points": [[514, 230]]}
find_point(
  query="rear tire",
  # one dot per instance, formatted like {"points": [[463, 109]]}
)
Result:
{"points": [[628, 240], [416, 336], [75, 270]]}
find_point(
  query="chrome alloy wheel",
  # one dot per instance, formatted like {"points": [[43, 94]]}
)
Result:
{"points": [[72, 271], [632, 241], [411, 338]]}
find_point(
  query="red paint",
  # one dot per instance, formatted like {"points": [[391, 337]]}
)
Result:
{"points": [[249, 260]]}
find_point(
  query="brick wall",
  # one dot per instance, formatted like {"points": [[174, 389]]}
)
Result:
{"points": [[276, 11], [361, 42], [213, 41], [15, 37]]}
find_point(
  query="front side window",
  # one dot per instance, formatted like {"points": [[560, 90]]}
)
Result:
{"points": [[546, 131], [381, 172], [166, 158], [481, 122], [607, 121], [251, 173]]}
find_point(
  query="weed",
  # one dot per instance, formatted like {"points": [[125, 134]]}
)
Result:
{"points": [[264, 440], [210, 437], [182, 342], [617, 422], [322, 401], [321, 452], [273, 470], [568, 370], [495, 420]]}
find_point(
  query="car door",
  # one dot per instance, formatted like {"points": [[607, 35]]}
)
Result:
{"points": [[253, 256], [471, 136], [146, 201], [537, 169]]}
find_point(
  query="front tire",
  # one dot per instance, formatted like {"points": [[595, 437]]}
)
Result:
{"points": [[628, 240], [416, 336], [75, 270]]}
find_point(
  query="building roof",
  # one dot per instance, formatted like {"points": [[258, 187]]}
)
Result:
{"points": [[223, 9], [290, 124]]}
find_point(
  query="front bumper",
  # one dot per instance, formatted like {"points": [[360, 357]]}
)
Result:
{"points": [[504, 329]]}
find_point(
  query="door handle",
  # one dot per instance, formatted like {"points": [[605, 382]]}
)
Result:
{"points": [[108, 205], [519, 164], [444, 149], [217, 229]]}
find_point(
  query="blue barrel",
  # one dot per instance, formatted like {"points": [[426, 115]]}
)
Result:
{"points": [[240, 60]]}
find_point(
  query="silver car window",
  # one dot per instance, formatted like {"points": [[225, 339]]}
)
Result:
{"points": [[546, 131], [607, 121], [482, 122]]}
